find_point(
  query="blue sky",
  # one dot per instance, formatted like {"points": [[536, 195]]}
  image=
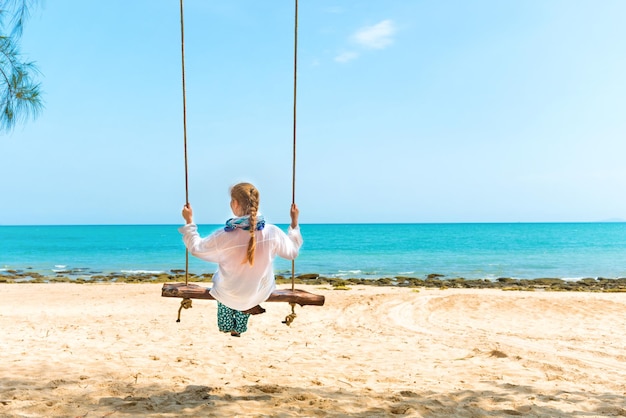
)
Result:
{"points": [[408, 111]]}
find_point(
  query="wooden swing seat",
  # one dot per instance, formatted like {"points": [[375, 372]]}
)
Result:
{"points": [[193, 291]]}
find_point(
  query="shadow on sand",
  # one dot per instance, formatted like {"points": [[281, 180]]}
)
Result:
{"points": [[81, 399]]}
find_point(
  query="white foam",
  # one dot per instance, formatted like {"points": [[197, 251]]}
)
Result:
{"points": [[142, 271], [575, 279]]}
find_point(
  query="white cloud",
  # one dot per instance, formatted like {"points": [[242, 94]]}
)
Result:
{"points": [[346, 56], [377, 36]]}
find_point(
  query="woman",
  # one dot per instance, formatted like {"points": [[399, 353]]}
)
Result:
{"points": [[244, 251]]}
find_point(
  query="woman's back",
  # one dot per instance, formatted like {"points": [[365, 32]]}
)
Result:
{"points": [[236, 283]]}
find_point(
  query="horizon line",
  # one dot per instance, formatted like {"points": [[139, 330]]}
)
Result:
{"points": [[336, 223]]}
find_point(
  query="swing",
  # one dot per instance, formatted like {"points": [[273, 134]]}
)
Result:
{"points": [[188, 291]]}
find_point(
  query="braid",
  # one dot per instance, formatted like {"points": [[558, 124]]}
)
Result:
{"points": [[253, 207], [247, 196]]}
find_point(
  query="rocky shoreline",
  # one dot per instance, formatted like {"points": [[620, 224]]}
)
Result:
{"points": [[439, 281]]}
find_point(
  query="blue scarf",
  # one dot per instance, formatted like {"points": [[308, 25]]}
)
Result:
{"points": [[243, 222]]}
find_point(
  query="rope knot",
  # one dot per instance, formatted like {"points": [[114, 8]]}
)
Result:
{"points": [[292, 316], [185, 303]]}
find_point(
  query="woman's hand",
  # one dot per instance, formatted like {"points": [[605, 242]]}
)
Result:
{"points": [[294, 213], [188, 213]]}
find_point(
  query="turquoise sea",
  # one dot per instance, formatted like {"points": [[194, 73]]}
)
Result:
{"points": [[472, 250]]}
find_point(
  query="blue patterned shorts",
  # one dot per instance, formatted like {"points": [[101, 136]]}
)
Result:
{"points": [[231, 320]]}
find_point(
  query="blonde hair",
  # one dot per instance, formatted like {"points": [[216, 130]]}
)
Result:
{"points": [[247, 196]]}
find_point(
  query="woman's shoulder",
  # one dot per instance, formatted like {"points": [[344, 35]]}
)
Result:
{"points": [[272, 228]]}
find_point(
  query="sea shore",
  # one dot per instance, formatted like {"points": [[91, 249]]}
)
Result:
{"points": [[115, 350], [591, 284]]}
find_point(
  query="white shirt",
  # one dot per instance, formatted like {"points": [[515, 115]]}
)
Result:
{"points": [[236, 283]]}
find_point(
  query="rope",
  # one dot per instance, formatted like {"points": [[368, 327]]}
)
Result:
{"points": [[295, 89], [290, 318], [182, 54], [185, 303]]}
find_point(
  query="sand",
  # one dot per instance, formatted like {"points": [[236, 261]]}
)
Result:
{"points": [[115, 350]]}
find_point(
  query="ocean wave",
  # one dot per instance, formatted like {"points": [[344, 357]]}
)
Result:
{"points": [[71, 271], [353, 274], [576, 279], [142, 271]]}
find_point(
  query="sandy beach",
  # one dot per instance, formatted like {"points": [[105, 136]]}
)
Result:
{"points": [[115, 350]]}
